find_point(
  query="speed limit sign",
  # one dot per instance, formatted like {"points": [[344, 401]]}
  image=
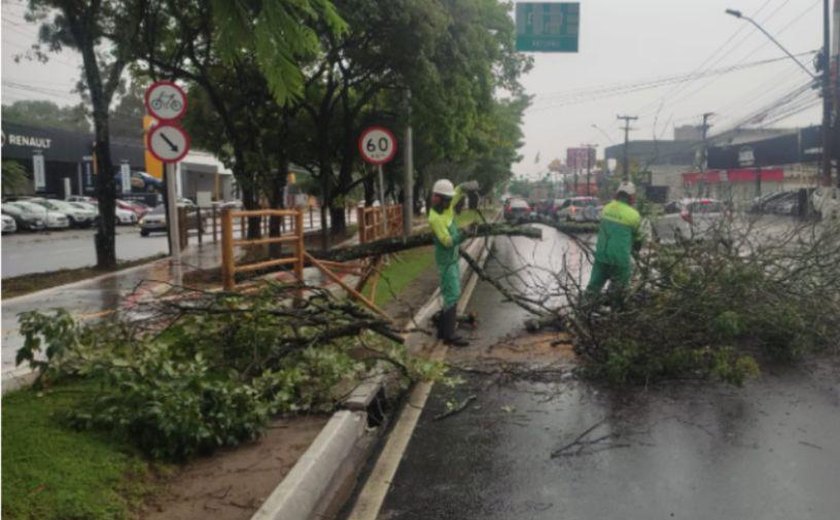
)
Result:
{"points": [[377, 145]]}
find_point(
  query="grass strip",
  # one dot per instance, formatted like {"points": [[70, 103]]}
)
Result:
{"points": [[29, 283], [51, 471]]}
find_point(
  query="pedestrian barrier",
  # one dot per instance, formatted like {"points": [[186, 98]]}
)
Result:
{"points": [[295, 235], [379, 222], [292, 221]]}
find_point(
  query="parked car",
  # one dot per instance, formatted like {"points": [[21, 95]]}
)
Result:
{"points": [[826, 201], [155, 220], [77, 217], [125, 217], [580, 209], [9, 224], [52, 219], [25, 218], [138, 209], [82, 198], [517, 210], [689, 219]]}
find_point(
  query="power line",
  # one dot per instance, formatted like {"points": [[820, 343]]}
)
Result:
{"points": [[593, 94]]}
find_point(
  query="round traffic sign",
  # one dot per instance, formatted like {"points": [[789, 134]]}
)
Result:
{"points": [[165, 101], [168, 142], [377, 145]]}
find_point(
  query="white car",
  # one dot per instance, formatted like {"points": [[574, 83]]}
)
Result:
{"points": [[580, 209], [125, 217], [9, 224], [52, 219], [78, 217], [826, 200], [689, 219]]}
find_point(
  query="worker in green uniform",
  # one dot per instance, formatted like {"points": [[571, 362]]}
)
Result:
{"points": [[618, 237], [447, 237]]}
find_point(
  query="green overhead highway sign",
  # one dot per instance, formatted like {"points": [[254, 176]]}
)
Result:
{"points": [[547, 26]]}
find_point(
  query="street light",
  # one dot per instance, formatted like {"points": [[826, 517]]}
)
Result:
{"points": [[739, 14], [826, 83], [596, 127]]}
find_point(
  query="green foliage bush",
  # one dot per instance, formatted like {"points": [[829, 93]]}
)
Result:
{"points": [[207, 372], [712, 308]]}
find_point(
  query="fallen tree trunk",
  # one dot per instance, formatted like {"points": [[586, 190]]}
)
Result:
{"points": [[394, 245], [569, 228]]}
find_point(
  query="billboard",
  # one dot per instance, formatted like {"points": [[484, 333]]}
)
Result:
{"points": [[580, 158]]}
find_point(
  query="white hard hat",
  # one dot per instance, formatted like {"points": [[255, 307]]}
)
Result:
{"points": [[627, 187], [444, 187]]}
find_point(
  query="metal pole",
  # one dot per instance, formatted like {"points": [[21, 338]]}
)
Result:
{"points": [[408, 189], [626, 163], [381, 187], [738, 14], [172, 223]]}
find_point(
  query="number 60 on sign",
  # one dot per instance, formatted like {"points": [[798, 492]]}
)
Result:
{"points": [[377, 145]]}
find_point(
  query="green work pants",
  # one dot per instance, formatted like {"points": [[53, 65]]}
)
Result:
{"points": [[618, 276]]}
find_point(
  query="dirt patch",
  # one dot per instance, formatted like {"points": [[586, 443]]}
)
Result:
{"points": [[233, 484], [544, 357]]}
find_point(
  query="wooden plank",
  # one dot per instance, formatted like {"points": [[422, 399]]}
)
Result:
{"points": [[266, 213], [228, 264], [352, 292], [268, 263], [268, 240]]}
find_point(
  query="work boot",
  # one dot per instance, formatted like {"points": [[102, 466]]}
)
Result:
{"points": [[449, 319]]}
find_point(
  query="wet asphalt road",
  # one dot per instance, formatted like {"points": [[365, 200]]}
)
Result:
{"points": [[688, 451], [27, 253]]}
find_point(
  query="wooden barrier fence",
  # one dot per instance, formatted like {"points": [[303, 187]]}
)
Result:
{"points": [[379, 222], [294, 235]]}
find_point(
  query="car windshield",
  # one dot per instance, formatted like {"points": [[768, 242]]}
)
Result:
{"points": [[518, 204], [585, 202]]}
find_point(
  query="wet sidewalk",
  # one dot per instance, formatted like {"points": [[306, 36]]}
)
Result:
{"points": [[99, 296]]}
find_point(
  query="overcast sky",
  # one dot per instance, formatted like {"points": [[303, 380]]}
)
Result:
{"points": [[632, 53]]}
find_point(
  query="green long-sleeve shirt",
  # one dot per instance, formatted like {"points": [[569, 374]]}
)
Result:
{"points": [[618, 233]]}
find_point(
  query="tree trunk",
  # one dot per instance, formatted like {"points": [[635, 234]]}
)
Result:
{"points": [[106, 194]]}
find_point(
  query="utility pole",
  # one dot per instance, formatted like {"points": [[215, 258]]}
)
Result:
{"points": [[826, 88], [626, 163], [589, 148], [704, 159]]}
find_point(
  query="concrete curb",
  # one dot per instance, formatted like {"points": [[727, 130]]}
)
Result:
{"points": [[323, 478], [300, 495]]}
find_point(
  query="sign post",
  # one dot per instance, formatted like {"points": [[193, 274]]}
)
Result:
{"points": [[169, 143], [378, 146]]}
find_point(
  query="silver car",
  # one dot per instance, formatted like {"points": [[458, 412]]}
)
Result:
{"points": [[689, 219]]}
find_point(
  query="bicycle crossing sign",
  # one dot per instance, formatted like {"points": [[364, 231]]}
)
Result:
{"points": [[166, 101]]}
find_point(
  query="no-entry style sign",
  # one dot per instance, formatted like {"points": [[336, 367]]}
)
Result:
{"points": [[166, 101], [377, 145], [168, 142]]}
